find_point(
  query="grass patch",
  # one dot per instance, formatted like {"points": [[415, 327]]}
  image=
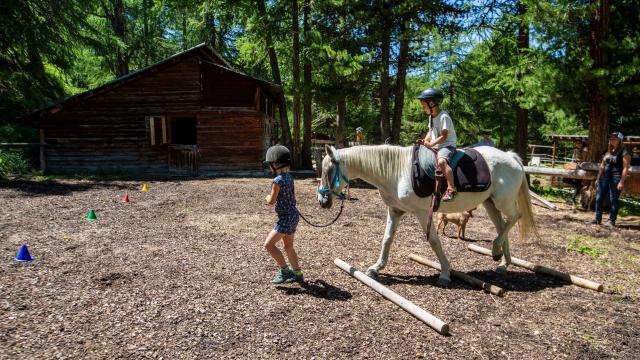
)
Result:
{"points": [[585, 245], [551, 194]]}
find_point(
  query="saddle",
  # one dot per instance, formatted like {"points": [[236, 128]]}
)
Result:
{"points": [[470, 171]]}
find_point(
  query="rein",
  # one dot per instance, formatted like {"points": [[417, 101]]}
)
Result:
{"points": [[322, 190]]}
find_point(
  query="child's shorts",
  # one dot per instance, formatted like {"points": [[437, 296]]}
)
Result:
{"points": [[287, 223], [447, 153]]}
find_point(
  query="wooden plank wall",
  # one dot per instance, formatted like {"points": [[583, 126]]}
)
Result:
{"points": [[222, 88], [108, 131], [230, 140]]}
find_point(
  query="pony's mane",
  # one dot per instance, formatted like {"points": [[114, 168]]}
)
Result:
{"points": [[386, 160]]}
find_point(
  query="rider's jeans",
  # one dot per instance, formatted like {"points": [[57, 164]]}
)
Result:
{"points": [[609, 184]]}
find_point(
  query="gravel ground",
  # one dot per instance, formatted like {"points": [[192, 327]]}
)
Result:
{"points": [[180, 272]]}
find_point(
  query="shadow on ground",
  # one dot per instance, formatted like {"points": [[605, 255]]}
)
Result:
{"points": [[317, 288], [512, 281]]}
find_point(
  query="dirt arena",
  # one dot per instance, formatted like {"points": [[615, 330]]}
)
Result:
{"points": [[180, 272]]}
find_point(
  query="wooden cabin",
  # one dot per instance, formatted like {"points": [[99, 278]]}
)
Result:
{"points": [[192, 114]]}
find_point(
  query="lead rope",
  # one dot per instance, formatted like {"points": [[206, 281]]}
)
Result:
{"points": [[342, 198], [324, 225]]}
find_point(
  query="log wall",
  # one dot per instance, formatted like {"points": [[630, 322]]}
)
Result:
{"points": [[110, 131]]}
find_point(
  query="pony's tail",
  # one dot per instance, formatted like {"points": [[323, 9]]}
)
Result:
{"points": [[526, 223]]}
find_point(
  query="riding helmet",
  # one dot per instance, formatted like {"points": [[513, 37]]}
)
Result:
{"points": [[432, 94], [279, 154]]}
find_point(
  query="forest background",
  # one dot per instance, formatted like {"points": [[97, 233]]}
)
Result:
{"points": [[519, 69]]}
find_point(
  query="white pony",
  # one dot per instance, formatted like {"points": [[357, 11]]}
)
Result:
{"points": [[389, 169]]}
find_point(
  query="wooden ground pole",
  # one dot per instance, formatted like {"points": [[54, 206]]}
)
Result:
{"points": [[413, 309], [587, 284], [475, 282]]}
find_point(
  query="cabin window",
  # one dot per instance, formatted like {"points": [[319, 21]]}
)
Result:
{"points": [[183, 131], [156, 130]]}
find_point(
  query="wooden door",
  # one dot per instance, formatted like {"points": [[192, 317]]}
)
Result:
{"points": [[183, 160]]}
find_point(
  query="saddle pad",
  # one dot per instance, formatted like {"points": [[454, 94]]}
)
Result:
{"points": [[470, 171]]}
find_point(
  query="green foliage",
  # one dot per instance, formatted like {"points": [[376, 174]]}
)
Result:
{"points": [[585, 245], [52, 49]]}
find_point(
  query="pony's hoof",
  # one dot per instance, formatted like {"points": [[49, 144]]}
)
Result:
{"points": [[372, 273], [444, 282], [501, 270]]}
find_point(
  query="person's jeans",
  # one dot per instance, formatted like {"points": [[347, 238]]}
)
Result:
{"points": [[609, 184]]}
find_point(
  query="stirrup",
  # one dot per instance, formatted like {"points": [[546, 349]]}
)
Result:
{"points": [[449, 195]]}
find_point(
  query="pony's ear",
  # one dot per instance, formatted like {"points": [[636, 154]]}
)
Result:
{"points": [[331, 151]]}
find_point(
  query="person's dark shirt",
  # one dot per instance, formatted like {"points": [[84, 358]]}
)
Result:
{"points": [[613, 162]]}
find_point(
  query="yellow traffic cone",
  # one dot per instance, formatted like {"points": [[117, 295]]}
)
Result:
{"points": [[144, 187]]}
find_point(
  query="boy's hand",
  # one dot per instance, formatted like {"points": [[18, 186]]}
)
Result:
{"points": [[268, 199]]}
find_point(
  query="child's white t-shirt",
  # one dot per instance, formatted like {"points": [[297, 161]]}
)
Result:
{"points": [[439, 123]]}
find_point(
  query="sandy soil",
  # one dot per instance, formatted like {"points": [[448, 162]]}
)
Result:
{"points": [[180, 272]]}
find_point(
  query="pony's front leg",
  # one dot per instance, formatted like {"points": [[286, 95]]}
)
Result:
{"points": [[436, 246], [393, 219]]}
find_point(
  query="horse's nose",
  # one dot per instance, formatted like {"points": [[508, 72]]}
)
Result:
{"points": [[325, 202]]}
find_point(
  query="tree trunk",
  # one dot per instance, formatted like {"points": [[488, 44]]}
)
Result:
{"points": [[598, 106], [403, 57], [295, 29], [184, 29], [306, 117], [341, 120], [522, 115], [275, 71], [115, 14], [211, 24], [146, 5], [385, 48]]}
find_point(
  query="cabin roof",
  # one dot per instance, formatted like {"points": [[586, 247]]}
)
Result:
{"points": [[208, 55]]}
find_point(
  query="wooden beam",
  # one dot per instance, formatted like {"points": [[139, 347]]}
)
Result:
{"points": [[587, 284], [152, 130], [164, 129], [572, 174], [435, 323], [495, 290], [10, 145], [43, 165], [542, 201]]}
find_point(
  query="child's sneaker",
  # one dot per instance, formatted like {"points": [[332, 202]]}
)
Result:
{"points": [[297, 276], [283, 275]]}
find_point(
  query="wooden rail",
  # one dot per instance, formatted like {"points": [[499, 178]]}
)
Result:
{"points": [[587, 284], [495, 290], [413, 309]]}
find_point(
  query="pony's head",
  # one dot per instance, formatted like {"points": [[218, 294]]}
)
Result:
{"points": [[332, 180]]}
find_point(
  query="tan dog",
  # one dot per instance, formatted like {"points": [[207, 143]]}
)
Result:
{"points": [[459, 219]]}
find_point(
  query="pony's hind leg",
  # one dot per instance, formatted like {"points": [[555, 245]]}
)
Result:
{"points": [[511, 213], [436, 246], [393, 219], [496, 218]]}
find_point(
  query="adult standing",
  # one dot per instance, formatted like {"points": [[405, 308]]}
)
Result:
{"points": [[613, 172]]}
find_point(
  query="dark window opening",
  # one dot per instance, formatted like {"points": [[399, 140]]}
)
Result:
{"points": [[183, 131]]}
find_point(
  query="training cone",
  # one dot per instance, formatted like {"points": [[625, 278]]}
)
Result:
{"points": [[92, 215], [23, 254], [144, 187], [125, 198]]}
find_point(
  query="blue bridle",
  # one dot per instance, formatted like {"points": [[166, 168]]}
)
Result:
{"points": [[336, 183]]}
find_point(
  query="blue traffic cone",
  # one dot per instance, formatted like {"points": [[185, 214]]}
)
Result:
{"points": [[23, 254]]}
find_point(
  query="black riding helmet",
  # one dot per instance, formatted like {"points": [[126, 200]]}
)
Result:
{"points": [[432, 94], [278, 154]]}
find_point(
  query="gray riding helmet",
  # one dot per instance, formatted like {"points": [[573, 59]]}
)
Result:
{"points": [[279, 154], [432, 94]]}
